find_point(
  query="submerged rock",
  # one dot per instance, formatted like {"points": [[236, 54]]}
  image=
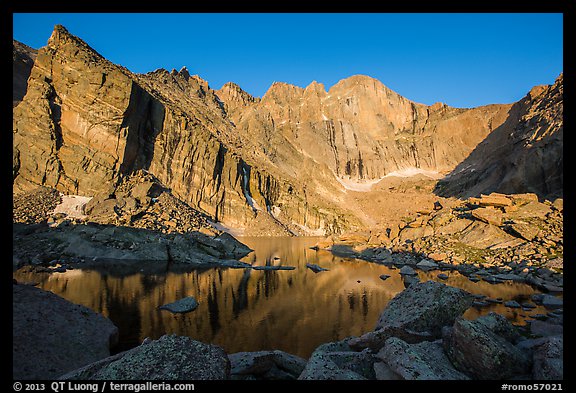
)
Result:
{"points": [[51, 336], [170, 357]]}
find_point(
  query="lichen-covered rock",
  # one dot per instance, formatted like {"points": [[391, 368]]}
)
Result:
{"points": [[266, 365], [478, 351], [422, 361], [170, 357], [337, 361], [548, 360], [418, 313], [52, 336]]}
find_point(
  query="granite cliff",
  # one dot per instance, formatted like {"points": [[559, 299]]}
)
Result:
{"points": [[293, 161]]}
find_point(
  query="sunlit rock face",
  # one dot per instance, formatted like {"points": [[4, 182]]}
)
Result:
{"points": [[283, 163]]}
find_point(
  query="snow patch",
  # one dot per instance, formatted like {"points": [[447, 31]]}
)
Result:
{"points": [[324, 117], [357, 185], [275, 211], [72, 206], [311, 232], [366, 185], [221, 227], [413, 171]]}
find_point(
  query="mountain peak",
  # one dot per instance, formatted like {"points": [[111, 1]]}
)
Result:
{"points": [[61, 37], [233, 96]]}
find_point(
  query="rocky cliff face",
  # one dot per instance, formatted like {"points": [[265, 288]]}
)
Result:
{"points": [[85, 123], [522, 155], [361, 130], [285, 161]]}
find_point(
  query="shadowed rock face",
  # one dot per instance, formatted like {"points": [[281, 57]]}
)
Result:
{"points": [[85, 123], [22, 61], [522, 155]]}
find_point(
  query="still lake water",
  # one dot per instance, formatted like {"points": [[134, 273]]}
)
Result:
{"points": [[251, 310]]}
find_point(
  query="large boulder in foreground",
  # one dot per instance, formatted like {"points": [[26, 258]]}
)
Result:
{"points": [[51, 336], [416, 314], [170, 357], [483, 351]]}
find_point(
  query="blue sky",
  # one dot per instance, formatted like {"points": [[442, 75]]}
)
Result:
{"points": [[464, 60]]}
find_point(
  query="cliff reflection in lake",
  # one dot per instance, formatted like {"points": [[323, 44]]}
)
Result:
{"points": [[249, 310]]}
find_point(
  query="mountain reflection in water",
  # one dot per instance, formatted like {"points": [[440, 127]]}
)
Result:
{"points": [[250, 310]]}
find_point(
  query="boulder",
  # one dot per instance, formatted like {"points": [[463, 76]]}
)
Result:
{"points": [[499, 325], [383, 372], [231, 247], [181, 306], [558, 204], [337, 361], [512, 304], [545, 329], [315, 268], [407, 271], [170, 357], [150, 189], [51, 336], [489, 215], [354, 238], [526, 197], [453, 227], [426, 264], [409, 280], [524, 230], [552, 302], [487, 236], [494, 199], [422, 361], [532, 210], [411, 234], [481, 353], [416, 314], [438, 256], [548, 360], [266, 365]]}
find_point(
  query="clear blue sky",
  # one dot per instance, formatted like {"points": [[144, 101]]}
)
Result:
{"points": [[464, 60]]}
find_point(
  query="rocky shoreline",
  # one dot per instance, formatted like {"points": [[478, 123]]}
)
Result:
{"points": [[420, 335], [139, 224], [494, 238]]}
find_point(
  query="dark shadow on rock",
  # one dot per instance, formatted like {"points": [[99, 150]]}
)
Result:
{"points": [[122, 250], [523, 155]]}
